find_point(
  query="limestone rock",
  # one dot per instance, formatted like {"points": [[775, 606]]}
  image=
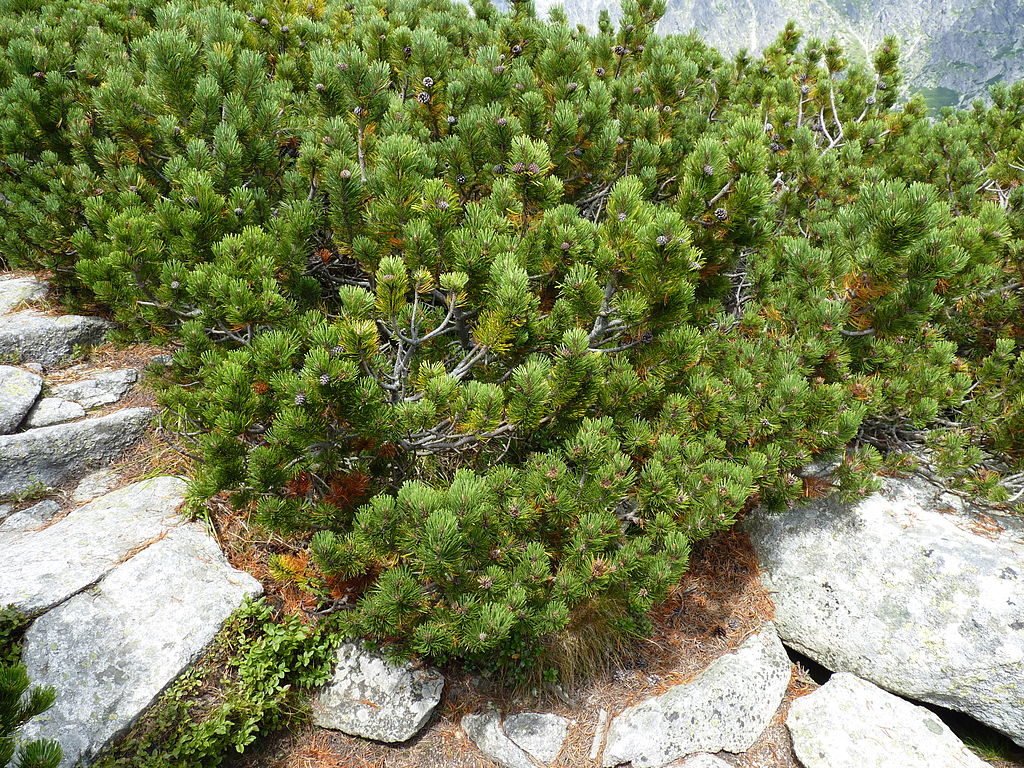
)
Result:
{"points": [[43, 568], [33, 336], [95, 484], [849, 723], [726, 707], [102, 388], [18, 391], [30, 518], [373, 698], [17, 290], [52, 410], [112, 649], [896, 592], [703, 761], [519, 738], [539, 734], [53, 455]]}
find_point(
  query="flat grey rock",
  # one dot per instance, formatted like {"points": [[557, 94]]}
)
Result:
{"points": [[33, 336], [539, 734], [102, 388], [486, 732], [43, 568], [110, 651], [31, 518], [724, 708], [918, 601], [18, 392], [52, 410], [50, 456], [373, 698], [850, 723], [702, 761], [15, 291], [95, 484]]}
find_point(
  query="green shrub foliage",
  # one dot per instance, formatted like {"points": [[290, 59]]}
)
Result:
{"points": [[503, 315], [19, 703]]}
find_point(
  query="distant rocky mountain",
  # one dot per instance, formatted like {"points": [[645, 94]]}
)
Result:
{"points": [[953, 50]]}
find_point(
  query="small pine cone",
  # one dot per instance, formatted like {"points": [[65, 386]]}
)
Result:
{"points": [[357, 111], [572, 86], [498, 169], [423, 97], [321, 87], [345, 173], [872, 141], [442, 204], [519, 168], [533, 168], [133, 188], [565, 246], [805, 89], [662, 239], [285, 29], [452, 119], [620, 141], [500, 69], [325, 379], [517, 49], [709, 170], [239, 211], [776, 147], [486, 582], [428, 82], [881, 85], [407, 50], [520, 87], [264, 23], [621, 216], [721, 214], [666, 109], [640, 49], [175, 285], [342, 66], [300, 399], [460, 179], [630, 27], [769, 128], [869, 100], [619, 50], [578, 152], [191, 200], [647, 337], [501, 121], [336, 351], [636, 89], [599, 71]]}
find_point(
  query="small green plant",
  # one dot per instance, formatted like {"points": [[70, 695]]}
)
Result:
{"points": [[12, 627], [248, 683], [34, 491], [19, 703]]}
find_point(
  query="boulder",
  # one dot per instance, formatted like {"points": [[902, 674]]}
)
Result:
{"points": [[850, 723], [33, 336], [376, 699], [539, 734], [102, 388], [522, 741], [43, 568], [726, 707], [15, 291], [52, 410], [110, 650], [703, 761], [95, 484], [18, 392], [50, 456], [896, 590], [33, 517]]}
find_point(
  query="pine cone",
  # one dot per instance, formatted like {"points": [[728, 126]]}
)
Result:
{"points": [[345, 173], [533, 168], [709, 170], [325, 379], [519, 168], [599, 71], [500, 69], [619, 50], [442, 204], [621, 216], [572, 86], [428, 82], [300, 399], [869, 100], [452, 120], [721, 214], [460, 179], [423, 97], [321, 87], [501, 121], [565, 246], [499, 169], [662, 239], [517, 49]]}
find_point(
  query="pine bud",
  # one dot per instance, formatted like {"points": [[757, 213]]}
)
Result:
{"points": [[321, 87], [578, 152], [619, 50], [133, 188], [501, 121], [452, 120], [517, 49], [662, 239], [460, 179], [647, 337], [239, 211], [175, 285], [337, 350], [881, 85], [423, 97], [721, 214], [345, 173], [357, 111], [620, 141], [442, 204], [805, 89], [428, 82], [709, 170], [640, 49], [285, 29], [768, 127], [572, 86], [300, 399], [520, 87], [499, 169], [533, 168], [342, 65], [666, 109], [565, 246], [192, 200], [264, 23], [599, 71], [500, 69], [869, 100], [636, 89], [407, 50], [621, 216], [325, 379], [776, 147], [519, 168]]}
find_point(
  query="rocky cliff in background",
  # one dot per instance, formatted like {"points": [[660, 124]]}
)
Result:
{"points": [[953, 50]]}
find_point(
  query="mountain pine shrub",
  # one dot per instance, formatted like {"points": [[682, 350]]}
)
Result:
{"points": [[500, 315]]}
